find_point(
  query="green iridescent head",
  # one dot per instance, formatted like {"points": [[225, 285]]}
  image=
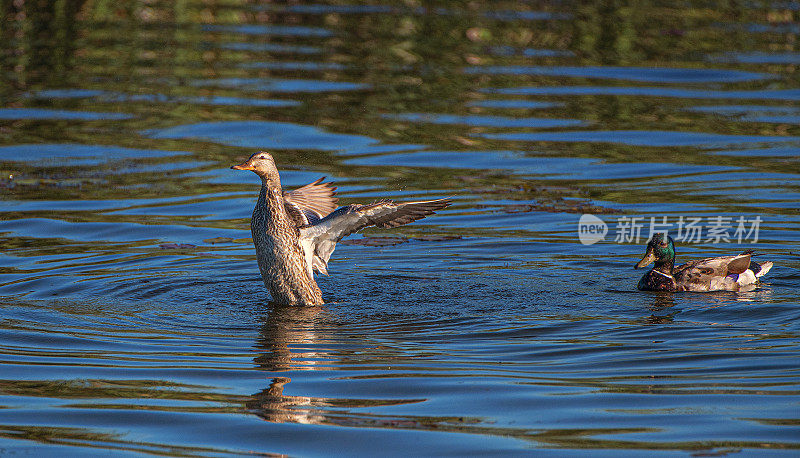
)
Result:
{"points": [[660, 249]]}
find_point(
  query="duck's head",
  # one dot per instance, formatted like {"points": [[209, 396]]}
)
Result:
{"points": [[660, 249], [263, 165]]}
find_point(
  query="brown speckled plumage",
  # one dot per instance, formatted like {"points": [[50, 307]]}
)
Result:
{"points": [[726, 273], [279, 255], [295, 232]]}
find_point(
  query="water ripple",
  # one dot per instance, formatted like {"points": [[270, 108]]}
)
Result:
{"points": [[643, 138], [117, 97], [264, 134], [44, 113], [133, 318], [271, 29], [657, 75], [281, 85], [52, 154], [488, 121], [764, 94]]}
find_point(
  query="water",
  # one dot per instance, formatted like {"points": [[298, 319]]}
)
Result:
{"points": [[133, 320]]}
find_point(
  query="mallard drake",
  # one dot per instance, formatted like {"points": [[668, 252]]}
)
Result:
{"points": [[727, 273], [295, 232]]}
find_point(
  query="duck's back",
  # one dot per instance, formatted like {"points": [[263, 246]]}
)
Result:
{"points": [[726, 273]]}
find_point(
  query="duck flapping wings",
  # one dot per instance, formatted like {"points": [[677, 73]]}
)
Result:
{"points": [[319, 239]]}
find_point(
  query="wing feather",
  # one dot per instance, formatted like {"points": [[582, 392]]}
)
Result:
{"points": [[702, 274], [310, 203], [325, 233], [739, 263]]}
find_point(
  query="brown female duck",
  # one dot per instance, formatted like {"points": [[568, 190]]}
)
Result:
{"points": [[295, 232]]}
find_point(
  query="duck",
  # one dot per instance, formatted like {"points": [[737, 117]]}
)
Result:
{"points": [[727, 273], [295, 232]]}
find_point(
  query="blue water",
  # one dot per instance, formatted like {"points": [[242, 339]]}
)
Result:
{"points": [[115, 97], [134, 322], [661, 75], [786, 95], [264, 134], [645, 138], [488, 121], [42, 113]]}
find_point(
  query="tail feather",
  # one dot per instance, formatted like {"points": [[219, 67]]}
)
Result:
{"points": [[765, 266]]}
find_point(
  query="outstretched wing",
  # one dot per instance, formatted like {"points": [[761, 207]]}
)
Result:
{"points": [[319, 239], [310, 203]]}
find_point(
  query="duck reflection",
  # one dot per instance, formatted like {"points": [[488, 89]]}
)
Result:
{"points": [[272, 405], [661, 301], [286, 328], [758, 295], [289, 326], [290, 340]]}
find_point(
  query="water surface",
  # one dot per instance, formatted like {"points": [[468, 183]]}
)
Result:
{"points": [[133, 320]]}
